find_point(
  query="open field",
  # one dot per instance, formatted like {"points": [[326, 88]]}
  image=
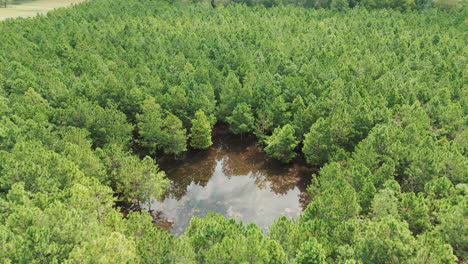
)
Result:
{"points": [[33, 8]]}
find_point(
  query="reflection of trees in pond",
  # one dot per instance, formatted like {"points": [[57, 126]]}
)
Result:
{"points": [[278, 184], [304, 199], [196, 167], [238, 165], [177, 218], [234, 178], [281, 178], [239, 157], [164, 223]]}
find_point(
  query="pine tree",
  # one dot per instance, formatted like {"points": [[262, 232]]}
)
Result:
{"points": [[310, 252], [174, 135], [282, 143], [241, 119], [150, 124], [200, 133]]}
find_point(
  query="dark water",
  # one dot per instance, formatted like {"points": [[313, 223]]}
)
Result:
{"points": [[234, 178]]}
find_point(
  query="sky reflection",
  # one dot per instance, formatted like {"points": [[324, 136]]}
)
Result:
{"points": [[234, 179]]}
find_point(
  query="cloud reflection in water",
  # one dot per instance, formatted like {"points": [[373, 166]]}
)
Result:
{"points": [[235, 180]]}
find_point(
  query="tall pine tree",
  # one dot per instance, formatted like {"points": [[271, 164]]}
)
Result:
{"points": [[200, 133], [282, 143]]}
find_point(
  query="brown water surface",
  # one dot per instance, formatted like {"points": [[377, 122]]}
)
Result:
{"points": [[234, 178]]}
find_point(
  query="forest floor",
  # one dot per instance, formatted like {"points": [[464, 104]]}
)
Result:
{"points": [[29, 9]]}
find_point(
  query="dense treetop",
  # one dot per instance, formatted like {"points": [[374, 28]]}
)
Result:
{"points": [[375, 99]]}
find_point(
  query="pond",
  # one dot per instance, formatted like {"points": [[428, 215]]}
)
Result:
{"points": [[235, 178]]}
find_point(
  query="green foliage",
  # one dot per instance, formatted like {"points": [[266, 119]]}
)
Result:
{"points": [[396, 4], [200, 132], [326, 137], [62, 227], [158, 247], [310, 252], [290, 234], [220, 240], [344, 4], [415, 212], [385, 202], [157, 132], [430, 248], [376, 97], [115, 248], [206, 232], [174, 140], [150, 123], [231, 95], [282, 143], [251, 247], [453, 227], [137, 180], [27, 160], [385, 241], [366, 196], [77, 148], [449, 4], [337, 200], [106, 125], [241, 120]]}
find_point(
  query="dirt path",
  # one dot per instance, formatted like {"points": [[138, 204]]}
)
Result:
{"points": [[33, 8]]}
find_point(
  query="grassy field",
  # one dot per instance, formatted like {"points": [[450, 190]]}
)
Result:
{"points": [[33, 8]]}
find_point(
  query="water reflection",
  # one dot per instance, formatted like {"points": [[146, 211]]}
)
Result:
{"points": [[234, 178]]}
